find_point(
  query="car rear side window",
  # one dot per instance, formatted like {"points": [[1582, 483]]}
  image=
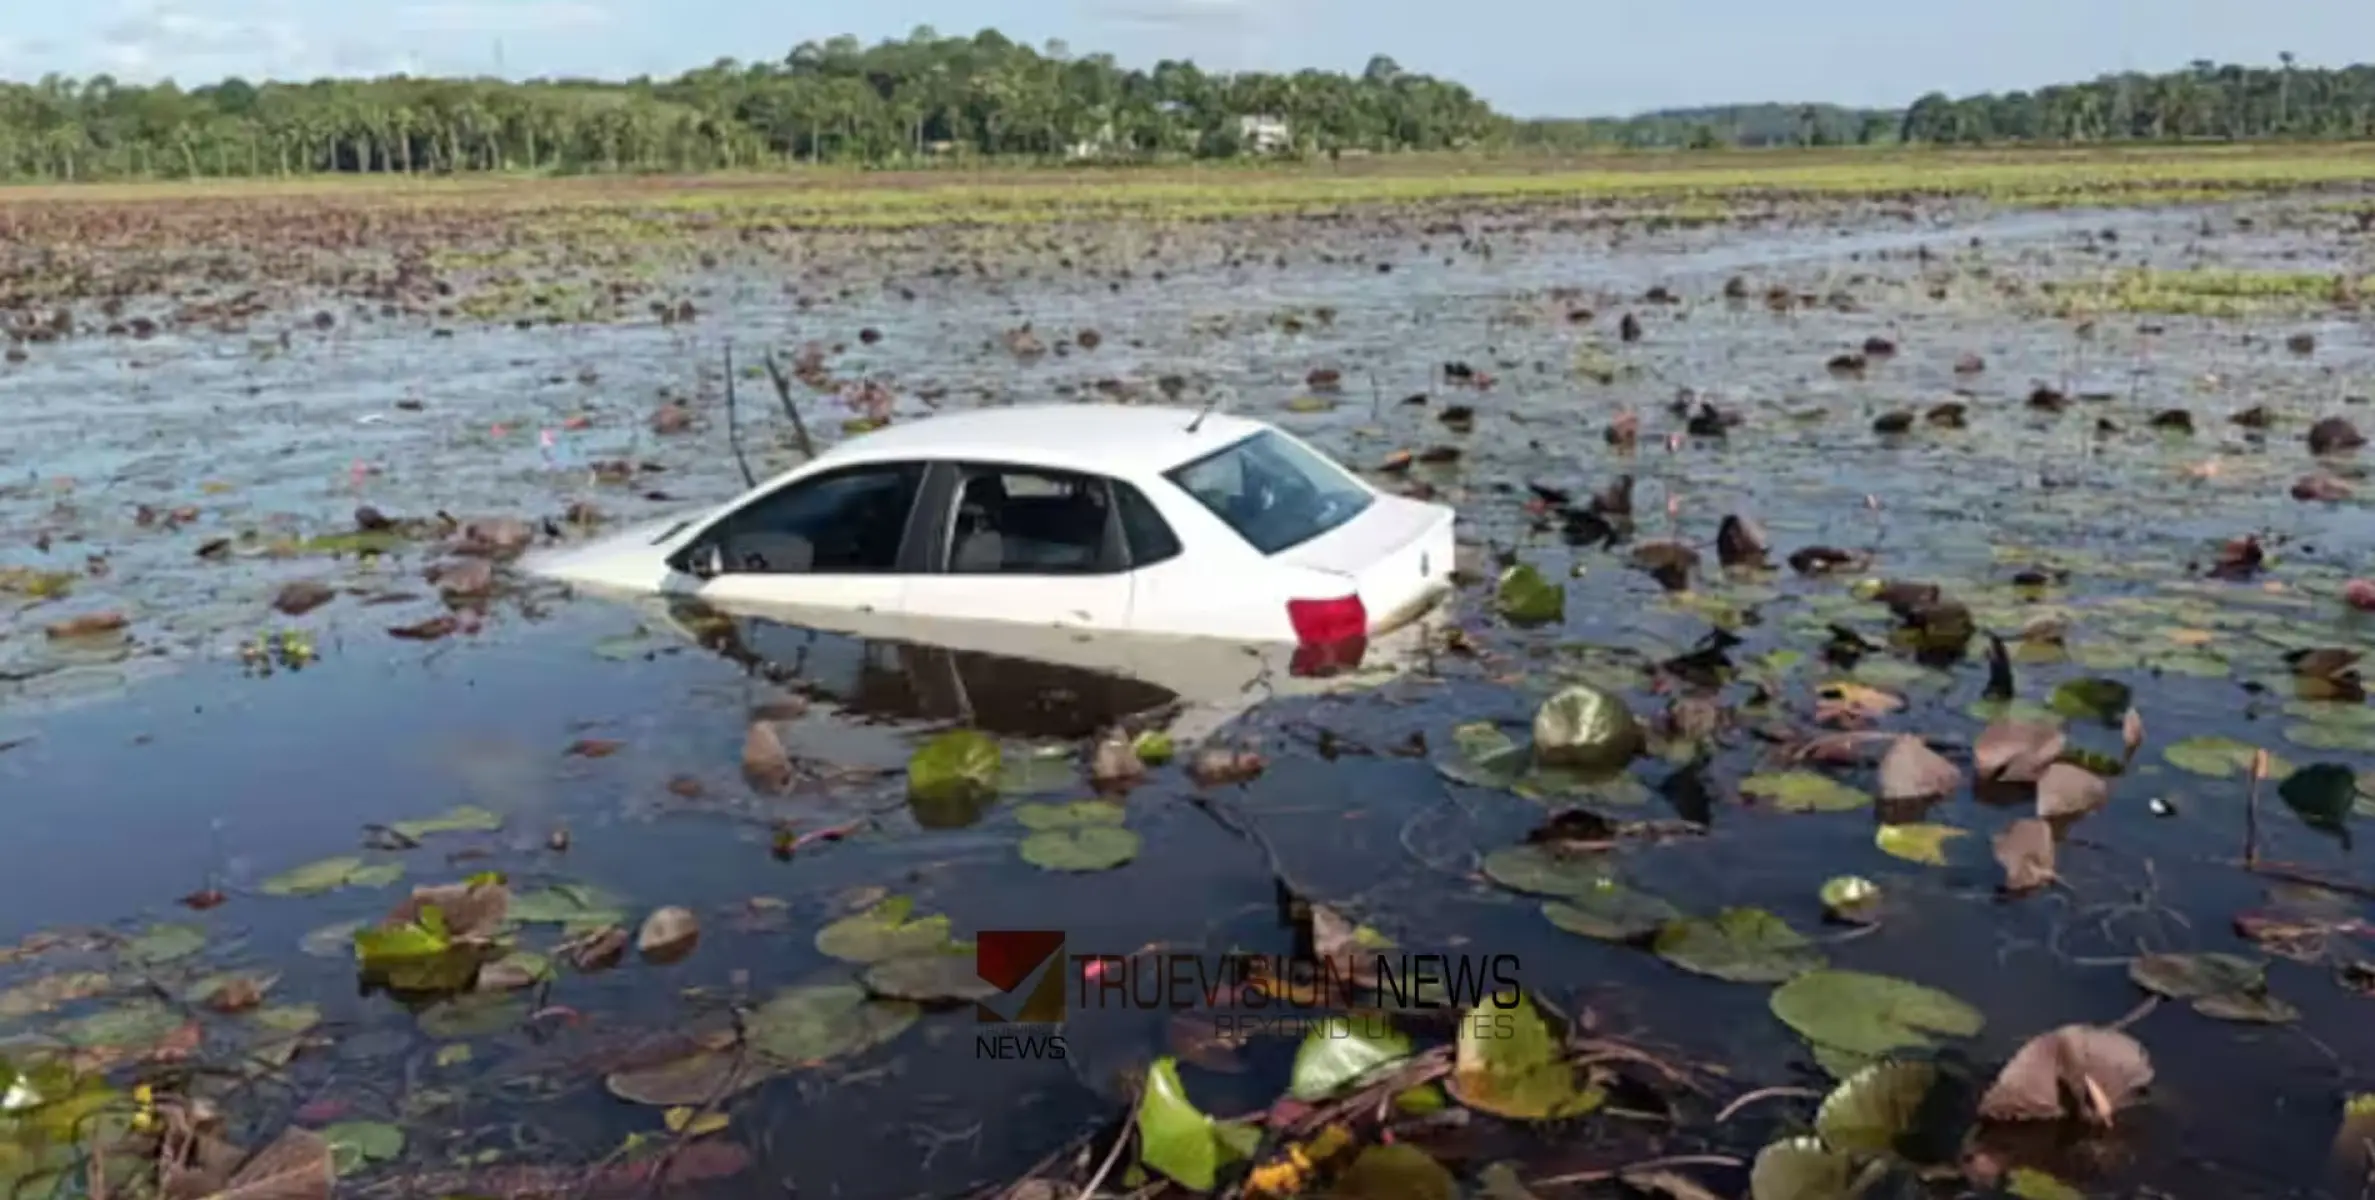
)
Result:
{"points": [[1149, 536], [1274, 492]]}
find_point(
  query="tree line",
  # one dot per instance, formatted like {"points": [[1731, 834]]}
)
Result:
{"points": [[918, 99], [932, 98]]}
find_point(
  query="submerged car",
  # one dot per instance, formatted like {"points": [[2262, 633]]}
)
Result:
{"points": [[1143, 520]]}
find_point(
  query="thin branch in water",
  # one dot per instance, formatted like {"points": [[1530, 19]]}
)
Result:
{"points": [[1650, 1164], [1772, 1093], [734, 422], [1089, 1189], [783, 392]]}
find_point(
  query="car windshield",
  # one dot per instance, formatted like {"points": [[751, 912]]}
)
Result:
{"points": [[1273, 491]]}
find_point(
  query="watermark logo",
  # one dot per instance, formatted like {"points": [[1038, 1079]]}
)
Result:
{"points": [[1027, 966]]}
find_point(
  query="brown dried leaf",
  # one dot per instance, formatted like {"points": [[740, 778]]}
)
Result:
{"points": [[2065, 790], [2015, 751], [296, 1166], [2083, 1071], [765, 763], [668, 935], [1115, 763], [472, 911], [1913, 771], [2025, 850], [2131, 733]]}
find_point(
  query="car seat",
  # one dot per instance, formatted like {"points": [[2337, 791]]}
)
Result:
{"points": [[979, 547]]}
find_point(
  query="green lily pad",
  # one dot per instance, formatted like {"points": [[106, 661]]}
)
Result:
{"points": [[1037, 773], [2094, 699], [287, 1018], [356, 1143], [1870, 1014], [574, 906], [1399, 1171], [1507, 1062], [1875, 1108], [1849, 897], [1545, 869], [1070, 816], [887, 930], [1525, 597], [1917, 842], [475, 1015], [2332, 735], [1804, 791], [801, 1026], [1342, 1050], [1084, 848], [332, 941], [139, 1024], [1744, 945], [2027, 712], [1801, 1168], [2323, 795], [314, 878], [164, 943], [468, 818], [1586, 728], [958, 766], [1178, 1140], [937, 977], [2219, 757], [1484, 756], [2258, 1007], [2192, 976], [1611, 912], [2029, 1183]]}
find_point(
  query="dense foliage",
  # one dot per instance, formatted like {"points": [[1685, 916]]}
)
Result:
{"points": [[2205, 100], [929, 98], [924, 98]]}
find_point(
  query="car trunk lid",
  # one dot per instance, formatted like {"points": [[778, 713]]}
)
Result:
{"points": [[1396, 556]]}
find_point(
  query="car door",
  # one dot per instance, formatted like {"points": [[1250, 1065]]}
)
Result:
{"points": [[845, 539], [1023, 544]]}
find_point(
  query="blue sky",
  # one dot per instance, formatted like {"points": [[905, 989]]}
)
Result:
{"points": [[1529, 57]]}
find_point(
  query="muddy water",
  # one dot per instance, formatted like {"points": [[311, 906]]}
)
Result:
{"points": [[134, 789]]}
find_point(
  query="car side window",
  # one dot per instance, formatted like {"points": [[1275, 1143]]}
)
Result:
{"points": [[1148, 534], [846, 522], [1030, 521]]}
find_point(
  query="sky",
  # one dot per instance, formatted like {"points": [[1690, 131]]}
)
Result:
{"points": [[1527, 57]]}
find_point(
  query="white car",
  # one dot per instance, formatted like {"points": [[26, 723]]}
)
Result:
{"points": [[1107, 518]]}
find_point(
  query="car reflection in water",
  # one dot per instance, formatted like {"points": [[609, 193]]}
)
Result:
{"points": [[1022, 681]]}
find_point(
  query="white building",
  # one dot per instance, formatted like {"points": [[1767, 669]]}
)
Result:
{"points": [[1264, 134]]}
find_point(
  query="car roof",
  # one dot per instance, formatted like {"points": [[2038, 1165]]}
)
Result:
{"points": [[1107, 439]]}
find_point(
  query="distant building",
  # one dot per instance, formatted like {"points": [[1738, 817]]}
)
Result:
{"points": [[1264, 134], [1096, 145]]}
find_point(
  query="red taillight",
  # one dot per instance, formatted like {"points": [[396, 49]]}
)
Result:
{"points": [[1330, 635], [1321, 622]]}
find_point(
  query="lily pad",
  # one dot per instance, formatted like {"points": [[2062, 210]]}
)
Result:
{"points": [[2218, 757], [1342, 1050], [1804, 791], [1037, 772], [314, 878], [1083, 848], [1397, 1171], [2323, 795], [1069, 816], [1586, 728], [1876, 1107], [1917, 842], [957, 766], [702, 1077], [1849, 897], [356, 1143], [164, 943], [1178, 1139], [945, 975], [1612, 912], [1744, 945], [1544, 869], [1801, 1168], [2095, 699], [1507, 1062], [2192, 976], [1526, 597], [1870, 1014], [574, 906], [802, 1026], [885, 931], [139, 1024], [468, 818]]}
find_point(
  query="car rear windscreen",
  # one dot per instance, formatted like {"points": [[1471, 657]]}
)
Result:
{"points": [[1274, 492]]}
